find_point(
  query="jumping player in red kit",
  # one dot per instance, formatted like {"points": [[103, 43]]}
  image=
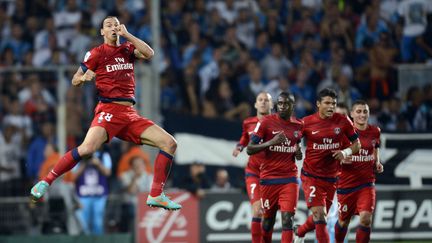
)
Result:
{"points": [[263, 105], [324, 132], [356, 185], [278, 135], [112, 66]]}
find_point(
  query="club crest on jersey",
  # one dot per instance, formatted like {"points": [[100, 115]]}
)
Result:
{"points": [[373, 143], [337, 130], [296, 134]]}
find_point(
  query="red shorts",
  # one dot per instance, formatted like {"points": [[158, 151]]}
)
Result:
{"points": [[355, 202], [318, 192], [120, 121], [253, 188], [283, 197]]}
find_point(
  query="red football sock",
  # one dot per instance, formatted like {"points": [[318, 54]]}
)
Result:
{"points": [[363, 234], [308, 226], [287, 235], [65, 164], [256, 230], [340, 233], [162, 167], [266, 236], [321, 232]]}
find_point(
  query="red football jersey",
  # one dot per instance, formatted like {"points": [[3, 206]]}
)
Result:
{"points": [[361, 171], [114, 68], [279, 161], [323, 137], [249, 125]]}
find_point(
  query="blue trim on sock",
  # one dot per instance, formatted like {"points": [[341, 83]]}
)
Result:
{"points": [[343, 229], [320, 222], [365, 229], [258, 220], [169, 156], [75, 155]]}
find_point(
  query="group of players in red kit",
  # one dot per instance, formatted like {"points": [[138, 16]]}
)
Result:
{"points": [[341, 155]]}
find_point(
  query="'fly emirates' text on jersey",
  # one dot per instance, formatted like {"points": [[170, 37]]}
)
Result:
{"points": [[253, 165], [114, 68], [323, 138], [361, 171], [279, 159]]}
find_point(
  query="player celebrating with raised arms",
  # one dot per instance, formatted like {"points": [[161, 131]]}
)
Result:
{"points": [[278, 135], [263, 105], [112, 66], [325, 132], [356, 185]]}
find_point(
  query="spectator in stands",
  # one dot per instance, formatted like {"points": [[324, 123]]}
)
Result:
{"points": [[347, 94], [261, 48], [276, 64], [221, 182], [390, 118], [16, 42], [220, 102], [425, 40], [382, 57], [10, 155], [130, 151], [196, 182], [369, 29], [413, 15], [91, 182], [415, 113], [16, 117], [35, 154], [134, 181]]}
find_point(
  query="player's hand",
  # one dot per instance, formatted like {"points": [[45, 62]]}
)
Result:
{"points": [[340, 156], [379, 168], [236, 152], [89, 75], [298, 153], [279, 138], [122, 31]]}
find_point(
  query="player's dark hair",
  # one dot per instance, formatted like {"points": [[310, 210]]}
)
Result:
{"points": [[327, 92], [287, 95], [107, 17], [342, 106], [358, 102]]}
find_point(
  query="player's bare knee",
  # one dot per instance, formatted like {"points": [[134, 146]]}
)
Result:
{"points": [[169, 145], [343, 224], [366, 220], [319, 214], [256, 212], [86, 150]]}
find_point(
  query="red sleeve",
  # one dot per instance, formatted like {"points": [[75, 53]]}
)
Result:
{"points": [[90, 60], [131, 48], [349, 129], [244, 139], [259, 130], [378, 131]]}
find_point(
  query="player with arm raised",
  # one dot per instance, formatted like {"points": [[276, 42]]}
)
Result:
{"points": [[263, 105], [356, 185], [111, 65], [277, 136], [324, 132]]}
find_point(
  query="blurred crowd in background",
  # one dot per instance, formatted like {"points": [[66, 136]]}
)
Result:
{"points": [[216, 56]]}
